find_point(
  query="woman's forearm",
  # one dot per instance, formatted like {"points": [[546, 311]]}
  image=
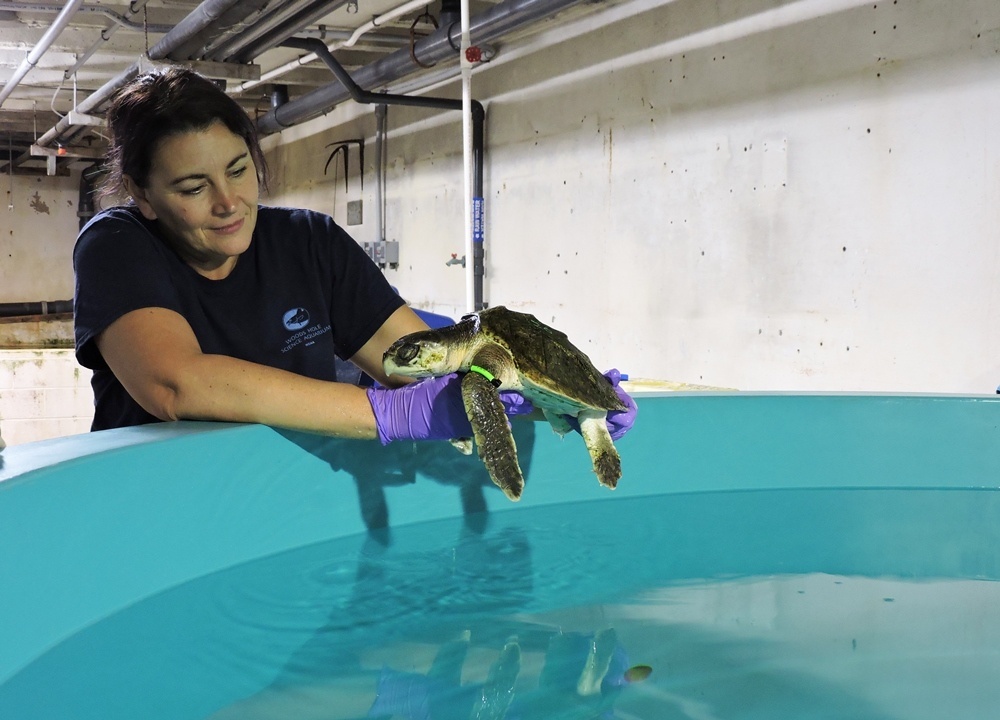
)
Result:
{"points": [[216, 387]]}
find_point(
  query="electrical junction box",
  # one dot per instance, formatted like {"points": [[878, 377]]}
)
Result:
{"points": [[383, 253]]}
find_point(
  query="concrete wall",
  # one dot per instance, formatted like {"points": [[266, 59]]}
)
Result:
{"points": [[44, 394], [765, 195], [38, 225]]}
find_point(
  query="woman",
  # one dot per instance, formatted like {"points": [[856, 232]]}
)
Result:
{"points": [[195, 302]]}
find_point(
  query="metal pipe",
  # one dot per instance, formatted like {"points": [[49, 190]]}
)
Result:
{"points": [[381, 131], [348, 42], [58, 25], [224, 49], [269, 40], [485, 27], [87, 105], [106, 34], [360, 95], [196, 22], [22, 309], [473, 203], [117, 18], [185, 41], [476, 268]]}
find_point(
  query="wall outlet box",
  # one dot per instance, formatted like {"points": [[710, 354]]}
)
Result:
{"points": [[354, 212]]}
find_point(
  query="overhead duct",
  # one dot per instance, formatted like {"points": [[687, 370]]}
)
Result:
{"points": [[190, 29], [439, 45], [208, 23]]}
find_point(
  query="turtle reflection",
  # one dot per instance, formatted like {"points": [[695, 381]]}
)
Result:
{"points": [[582, 675]]}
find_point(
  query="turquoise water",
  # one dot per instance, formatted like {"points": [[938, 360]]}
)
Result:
{"points": [[840, 603]]}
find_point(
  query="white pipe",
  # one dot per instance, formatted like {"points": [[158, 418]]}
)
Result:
{"points": [[470, 270], [58, 25], [349, 42]]}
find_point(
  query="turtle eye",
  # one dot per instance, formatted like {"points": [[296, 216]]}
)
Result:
{"points": [[408, 352]]}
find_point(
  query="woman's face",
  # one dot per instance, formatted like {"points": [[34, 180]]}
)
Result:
{"points": [[202, 191]]}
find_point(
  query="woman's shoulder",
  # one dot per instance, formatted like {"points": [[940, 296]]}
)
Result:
{"points": [[287, 224], [279, 217], [111, 227], [116, 220]]}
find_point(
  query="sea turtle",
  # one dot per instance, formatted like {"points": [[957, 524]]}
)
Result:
{"points": [[500, 349]]}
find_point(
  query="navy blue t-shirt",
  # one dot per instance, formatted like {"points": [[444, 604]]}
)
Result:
{"points": [[302, 292]]}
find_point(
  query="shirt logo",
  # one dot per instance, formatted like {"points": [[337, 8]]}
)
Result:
{"points": [[296, 318]]}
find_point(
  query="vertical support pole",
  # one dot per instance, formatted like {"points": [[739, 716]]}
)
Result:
{"points": [[470, 277]]}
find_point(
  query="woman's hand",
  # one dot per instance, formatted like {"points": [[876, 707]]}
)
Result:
{"points": [[431, 409]]}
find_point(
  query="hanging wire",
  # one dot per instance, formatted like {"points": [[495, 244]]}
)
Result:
{"points": [[52, 102]]}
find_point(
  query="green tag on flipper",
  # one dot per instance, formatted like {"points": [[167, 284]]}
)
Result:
{"points": [[486, 374]]}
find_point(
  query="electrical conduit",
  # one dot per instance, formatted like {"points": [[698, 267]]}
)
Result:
{"points": [[58, 25]]}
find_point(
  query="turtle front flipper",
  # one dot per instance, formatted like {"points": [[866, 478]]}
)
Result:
{"points": [[607, 463], [494, 440]]}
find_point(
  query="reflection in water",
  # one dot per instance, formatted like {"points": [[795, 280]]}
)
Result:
{"points": [[399, 463], [866, 605], [581, 676]]}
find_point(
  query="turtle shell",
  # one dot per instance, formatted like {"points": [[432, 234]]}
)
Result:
{"points": [[547, 362]]}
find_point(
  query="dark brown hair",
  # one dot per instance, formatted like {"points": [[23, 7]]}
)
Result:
{"points": [[164, 103]]}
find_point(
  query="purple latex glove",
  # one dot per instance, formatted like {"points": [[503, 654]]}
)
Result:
{"points": [[431, 409], [620, 421]]}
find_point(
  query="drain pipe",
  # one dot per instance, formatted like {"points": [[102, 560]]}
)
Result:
{"points": [[381, 157], [478, 117], [473, 201], [58, 25], [23, 309], [349, 41], [438, 46]]}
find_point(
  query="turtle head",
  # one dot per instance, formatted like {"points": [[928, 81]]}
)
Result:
{"points": [[428, 353]]}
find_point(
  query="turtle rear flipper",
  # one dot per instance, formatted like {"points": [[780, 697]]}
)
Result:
{"points": [[607, 463], [494, 440]]}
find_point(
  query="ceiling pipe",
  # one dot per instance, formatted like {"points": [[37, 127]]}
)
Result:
{"points": [[303, 18], [360, 95], [119, 19], [197, 22], [348, 42], [280, 17], [58, 25], [133, 10], [474, 153], [439, 45], [189, 34]]}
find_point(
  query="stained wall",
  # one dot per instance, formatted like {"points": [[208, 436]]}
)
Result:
{"points": [[771, 195]]}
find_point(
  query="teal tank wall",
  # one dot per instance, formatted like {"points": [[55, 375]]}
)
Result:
{"points": [[91, 524]]}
